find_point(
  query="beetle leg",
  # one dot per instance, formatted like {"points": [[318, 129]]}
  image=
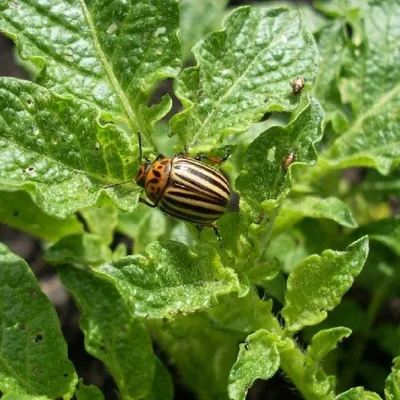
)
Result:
{"points": [[216, 231], [144, 201], [215, 160], [199, 229], [117, 184]]}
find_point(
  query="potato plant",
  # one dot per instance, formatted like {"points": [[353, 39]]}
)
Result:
{"points": [[314, 172]]}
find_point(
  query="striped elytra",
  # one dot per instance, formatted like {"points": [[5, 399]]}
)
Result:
{"points": [[185, 188]]}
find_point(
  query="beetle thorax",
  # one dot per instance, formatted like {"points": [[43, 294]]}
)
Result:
{"points": [[156, 178]]}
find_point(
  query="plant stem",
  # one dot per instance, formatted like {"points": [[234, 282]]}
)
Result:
{"points": [[356, 353], [292, 363]]}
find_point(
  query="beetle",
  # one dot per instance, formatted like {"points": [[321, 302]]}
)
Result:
{"points": [[289, 159], [185, 188], [297, 85]]}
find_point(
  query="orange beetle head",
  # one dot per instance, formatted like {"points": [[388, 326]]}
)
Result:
{"points": [[142, 173]]}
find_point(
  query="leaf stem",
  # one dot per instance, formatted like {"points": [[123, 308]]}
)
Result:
{"points": [[355, 355], [133, 121], [292, 363]]}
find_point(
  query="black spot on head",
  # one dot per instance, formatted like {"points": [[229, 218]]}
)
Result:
{"points": [[153, 188], [157, 174], [159, 167], [153, 181]]}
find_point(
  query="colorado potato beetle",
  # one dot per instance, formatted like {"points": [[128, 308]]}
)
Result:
{"points": [[185, 188]]}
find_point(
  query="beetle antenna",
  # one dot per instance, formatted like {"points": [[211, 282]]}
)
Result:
{"points": [[140, 147], [116, 184]]}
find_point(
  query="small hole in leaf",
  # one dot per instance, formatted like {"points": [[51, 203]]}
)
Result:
{"points": [[246, 346], [97, 146], [29, 102], [15, 213], [38, 338], [29, 169], [22, 327], [33, 293], [265, 117], [65, 375], [102, 348]]}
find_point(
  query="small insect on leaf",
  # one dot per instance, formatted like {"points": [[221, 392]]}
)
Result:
{"points": [[297, 85], [289, 159]]}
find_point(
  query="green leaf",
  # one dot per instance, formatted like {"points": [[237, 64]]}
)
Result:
{"points": [[312, 18], [245, 314], [197, 19], [111, 333], [332, 52], [317, 284], [289, 248], [56, 150], [322, 343], [358, 393], [172, 279], [85, 249], [90, 392], [144, 225], [387, 232], [102, 221], [203, 355], [33, 358], [258, 358], [21, 396], [373, 89], [17, 209], [263, 177], [162, 388], [243, 72], [293, 210], [392, 384], [108, 54]]}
